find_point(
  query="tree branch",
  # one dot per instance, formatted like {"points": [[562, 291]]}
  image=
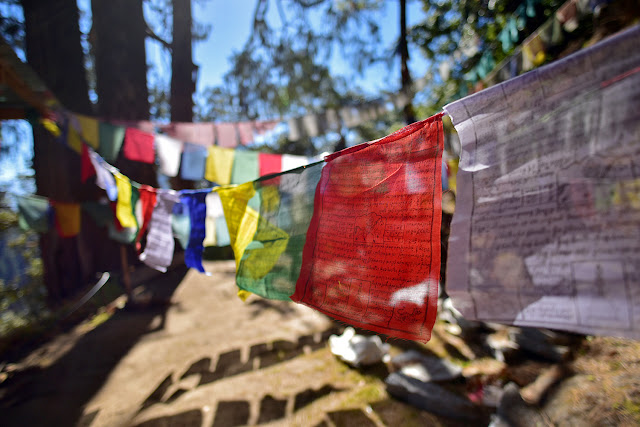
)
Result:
{"points": [[149, 32]]}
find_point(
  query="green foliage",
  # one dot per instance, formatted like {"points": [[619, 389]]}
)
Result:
{"points": [[468, 36]]}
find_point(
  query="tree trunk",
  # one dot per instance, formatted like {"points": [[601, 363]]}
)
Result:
{"points": [[118, 37], [54, 52], [183, 79], [403, 46]]}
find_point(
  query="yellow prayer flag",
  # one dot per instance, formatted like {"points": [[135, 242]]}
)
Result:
{"points": [[209, 232], [51, 126], [89, 130], [247, 230], [219, 165], [242, 221], [124, 210], [67, 218], [73, 140], [243, 295]]}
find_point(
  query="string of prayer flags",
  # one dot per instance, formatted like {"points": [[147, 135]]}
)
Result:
{"points": [[147, 203], [67, 218], [269, 163], [169, 151], [124, 207], [34, 213], [158, 252], [138, 146], [219, 165], [539, 237], [227, 135], [245, 167], [194, 162], [262, 127], [372, 251], [104, 178], [111, 139], [195, 201], [268, 241]]}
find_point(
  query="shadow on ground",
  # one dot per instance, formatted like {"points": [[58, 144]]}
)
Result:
{"points": [[56, 395]]}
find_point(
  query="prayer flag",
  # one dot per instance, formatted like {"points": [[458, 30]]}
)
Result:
{"points": [[219, 165], [195, 201], [245, 167], [180, 223], [268, 241], [74, 141], [227, 135], [124, 208], [245, 132], [194, 161], [214, 211], [111, 139], [539, 236], [86, 166], [67, 218], [270, 163], [34, 213], [158, 252], [138, 146], [372, 253], [169, 152], [194, 133], [104, 178], [89, 130], [147, 202]]}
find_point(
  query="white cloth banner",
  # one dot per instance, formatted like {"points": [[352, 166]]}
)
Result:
{"points": [[168, 150], [160, 245], [546, 230]]}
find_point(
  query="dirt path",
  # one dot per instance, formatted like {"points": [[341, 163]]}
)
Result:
{"points": [[207, 359]]}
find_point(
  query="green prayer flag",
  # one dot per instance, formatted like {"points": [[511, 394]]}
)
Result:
{"points": [[111, 138], [267, 222], [246, 167], [34, 213]]}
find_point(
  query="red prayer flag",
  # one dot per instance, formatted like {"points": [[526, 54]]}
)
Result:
{"points": [[147, 202], [87, 170], [372, 254], [138, 146], [270, 163]]}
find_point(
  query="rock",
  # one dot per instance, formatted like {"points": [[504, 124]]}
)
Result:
{"points": [[501, 345], [539, 343], [515, 412], [426, 368], [358, 350], [430, 397], [535, 391], [451, 315]]}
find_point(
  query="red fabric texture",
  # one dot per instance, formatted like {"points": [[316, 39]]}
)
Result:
{"points": [[147, 202], [269, 163], [86, 167], [138, 146], [372, 253]]}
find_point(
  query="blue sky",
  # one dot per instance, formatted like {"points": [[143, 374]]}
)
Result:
{"points": [[231, 25]]}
